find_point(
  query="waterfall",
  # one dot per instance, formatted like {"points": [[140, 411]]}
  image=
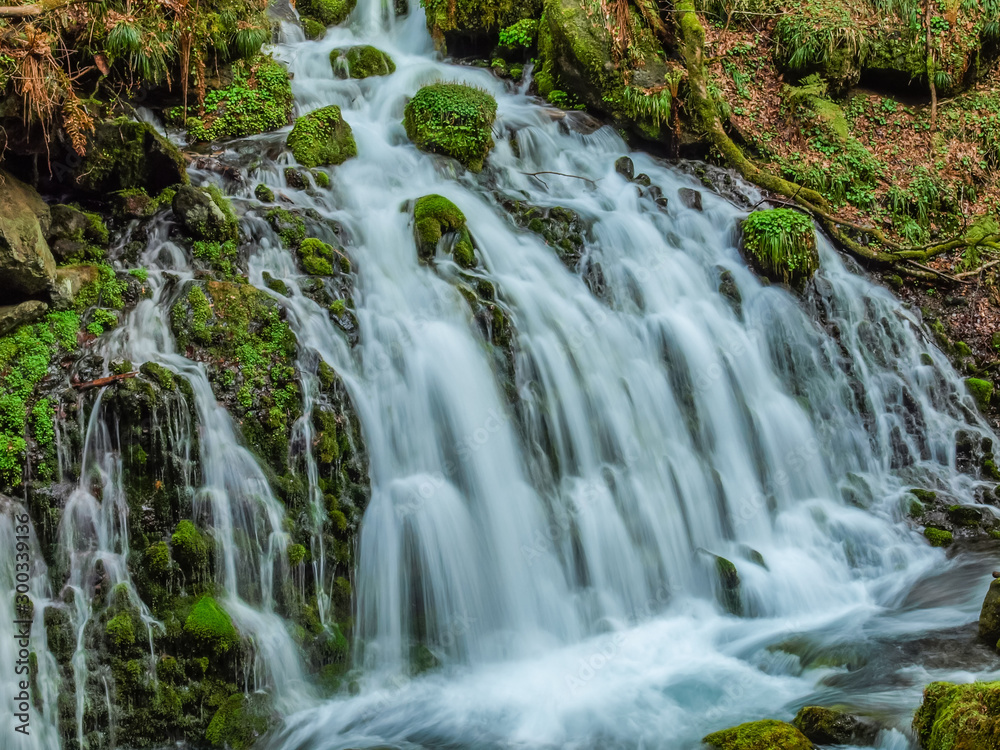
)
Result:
{"points": [[555, 549], [538, 565]]}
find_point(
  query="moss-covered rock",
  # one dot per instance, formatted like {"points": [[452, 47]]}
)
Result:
{"points": [[316, 256], [959, 717], [768, 734], [831, 726], [120, 630], [258, 100], [362, 61], [938, 537], [124, 154], [322, 138], [189, 547], [240, 721], [452, 119], [211, 627], [475, 24], [981, 390], [326, 12], [435, 216], [77, 236], [575, 53], [206, 213], [781, 245]]}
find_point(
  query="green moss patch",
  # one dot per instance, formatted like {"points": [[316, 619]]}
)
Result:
{"points": [[362, 61], [434, 216], [316, 257], [781, 244], [322, 138], [759, 735], [981, 390], [258, 100], [452, 119], [211, 627]]}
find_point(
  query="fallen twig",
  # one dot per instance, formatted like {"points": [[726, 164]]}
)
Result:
{"points": [[101, 382]]}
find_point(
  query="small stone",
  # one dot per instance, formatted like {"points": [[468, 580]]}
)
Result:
{"points": [[624, 167], [690, 198], [643, 179]]}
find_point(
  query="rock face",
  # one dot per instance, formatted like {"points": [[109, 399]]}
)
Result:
{"points": [[759, 735], [828, 726], [12, 316], [989, 616], [322, 138], [125, 154], [26, 263], [454, 120], [959, 717]]}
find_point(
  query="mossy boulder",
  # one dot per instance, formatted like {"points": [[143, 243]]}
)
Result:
{"points": [[959, 717], [981, 390], [316, 257], [938, 537], [325, 12], [768, 734], [211, 627], [120, 631], [454, 120], [434, 217], [322, 138], [362, 61], [124, 154], [15, 316], [831, 726], [189, 548], [258, 100], [206, 213], [240, 721], [26, 263], [989, 615], [780, 244], [76, 236]]}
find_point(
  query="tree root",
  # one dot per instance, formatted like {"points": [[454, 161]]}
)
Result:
{"points": [[879, 251]]}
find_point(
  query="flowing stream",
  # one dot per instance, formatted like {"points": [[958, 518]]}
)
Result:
{"points": [[550, 538]]}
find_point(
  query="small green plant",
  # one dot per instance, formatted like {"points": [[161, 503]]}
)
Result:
{"points": [[782, 244], [519, 35]]}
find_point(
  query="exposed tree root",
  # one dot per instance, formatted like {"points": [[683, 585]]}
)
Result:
{"points": [[879, 250]]}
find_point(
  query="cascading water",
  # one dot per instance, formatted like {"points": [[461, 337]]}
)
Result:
{"points": [[557, 552], [546, 531]]}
